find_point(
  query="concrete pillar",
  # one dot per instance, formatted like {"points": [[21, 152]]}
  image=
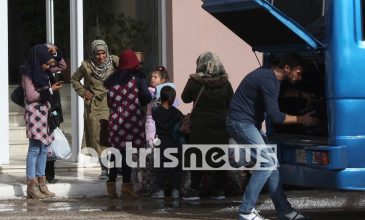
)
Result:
{"points": [[77, 56], [50, 21]]}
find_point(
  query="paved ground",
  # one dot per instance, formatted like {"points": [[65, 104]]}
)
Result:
{"points": [[81, 195], [321, 205], [73, 181]]}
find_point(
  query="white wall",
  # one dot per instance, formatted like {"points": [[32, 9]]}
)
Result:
{"points": [[194, 31]]}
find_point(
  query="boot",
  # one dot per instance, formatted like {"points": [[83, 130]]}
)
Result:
{"points": [[128, 192], [112, 190], [33, 189], [43, 187]]}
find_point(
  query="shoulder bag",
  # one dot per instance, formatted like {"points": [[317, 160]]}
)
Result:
{"points": [[186, 120]]}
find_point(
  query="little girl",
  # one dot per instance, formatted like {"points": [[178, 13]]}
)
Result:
{"points": [[157, 78]]}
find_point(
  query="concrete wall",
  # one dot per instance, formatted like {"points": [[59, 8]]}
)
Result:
{"points": [[192, 31]]}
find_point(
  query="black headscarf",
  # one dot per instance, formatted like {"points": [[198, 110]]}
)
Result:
{"points": [[38, 55]]}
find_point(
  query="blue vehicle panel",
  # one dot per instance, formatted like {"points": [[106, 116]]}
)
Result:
{"points": [[333, 155]]}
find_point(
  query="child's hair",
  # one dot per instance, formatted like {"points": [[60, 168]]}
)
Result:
{"points": [[168, 94], [162, 72]]}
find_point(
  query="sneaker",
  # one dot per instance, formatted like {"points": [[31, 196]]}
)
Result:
{"points": [[191, 195], [294, 215], [159, 194], [175, 194], [254, 215], [103, 174], [218, 195]]}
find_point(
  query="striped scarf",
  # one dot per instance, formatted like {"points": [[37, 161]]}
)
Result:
{"points": [[99, 70]]}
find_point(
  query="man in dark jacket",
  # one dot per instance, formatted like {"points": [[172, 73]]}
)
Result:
{"points": [[256, 96]]}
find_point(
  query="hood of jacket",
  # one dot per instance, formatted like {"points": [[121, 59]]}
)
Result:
{"points": [[216, 81]]}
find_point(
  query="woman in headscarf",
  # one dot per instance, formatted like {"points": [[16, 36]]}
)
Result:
{"points": [[209, 116], [127, 94], [94, 71], [38, 92]]}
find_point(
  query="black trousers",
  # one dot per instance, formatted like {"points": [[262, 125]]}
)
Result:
{"points": [[219, 178], [126, 170], [170, 175], [50, 171], [163, 175]]}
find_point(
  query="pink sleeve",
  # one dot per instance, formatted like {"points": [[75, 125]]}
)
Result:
{"points": [[31, 94], [152, 91], [61, 65]]}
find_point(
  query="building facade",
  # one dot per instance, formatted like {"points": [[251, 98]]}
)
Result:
{"points": [[178, 32]]}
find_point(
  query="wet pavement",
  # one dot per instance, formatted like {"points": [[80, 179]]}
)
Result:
{"points": [[313, 203]]}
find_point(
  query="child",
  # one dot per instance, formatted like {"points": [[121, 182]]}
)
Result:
{"points": [[54, 77], [157, 77], [166, 116]]}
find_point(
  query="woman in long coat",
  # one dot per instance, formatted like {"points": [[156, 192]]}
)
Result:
{"points": [[209, 116], [127, 94], [94, 71]]}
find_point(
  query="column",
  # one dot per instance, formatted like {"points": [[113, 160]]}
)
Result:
{"points": [[77, 56]]}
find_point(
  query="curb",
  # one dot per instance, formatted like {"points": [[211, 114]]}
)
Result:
{"points": [[62, 190]]}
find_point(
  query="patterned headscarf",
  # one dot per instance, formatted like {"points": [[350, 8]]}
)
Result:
{"points": [[209, 65], [38, 55], [99, 70]]}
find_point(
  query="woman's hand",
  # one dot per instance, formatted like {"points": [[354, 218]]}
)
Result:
{"points": [[88, 95], [52, 48], [57, 86]]}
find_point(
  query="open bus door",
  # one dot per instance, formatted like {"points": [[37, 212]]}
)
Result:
{"points": [[308, 157]]}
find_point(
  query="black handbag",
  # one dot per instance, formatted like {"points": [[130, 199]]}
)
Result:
{"points": [[185, 123], [53, 121], [104, 132], [17, 96]]}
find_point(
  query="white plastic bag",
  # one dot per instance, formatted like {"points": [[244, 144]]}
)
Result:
{"points": [[60, 147]]}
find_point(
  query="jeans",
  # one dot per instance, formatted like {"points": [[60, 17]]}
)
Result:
{"points": [[246, 133], [36, 159]]}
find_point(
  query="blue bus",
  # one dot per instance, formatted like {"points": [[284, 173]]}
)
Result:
{"points": [[330, 35]]}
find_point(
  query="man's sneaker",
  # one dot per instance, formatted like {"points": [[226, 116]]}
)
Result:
{"points": [[103, 174], [254, 215], [293, 215], [218, 195], [191, 195], [175, 194], [159, 194]]}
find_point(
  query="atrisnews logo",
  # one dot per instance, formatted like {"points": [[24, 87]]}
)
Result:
{"points": [[195, 157]]}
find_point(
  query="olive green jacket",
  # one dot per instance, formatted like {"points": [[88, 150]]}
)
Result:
{"points": [[97, 108]]}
